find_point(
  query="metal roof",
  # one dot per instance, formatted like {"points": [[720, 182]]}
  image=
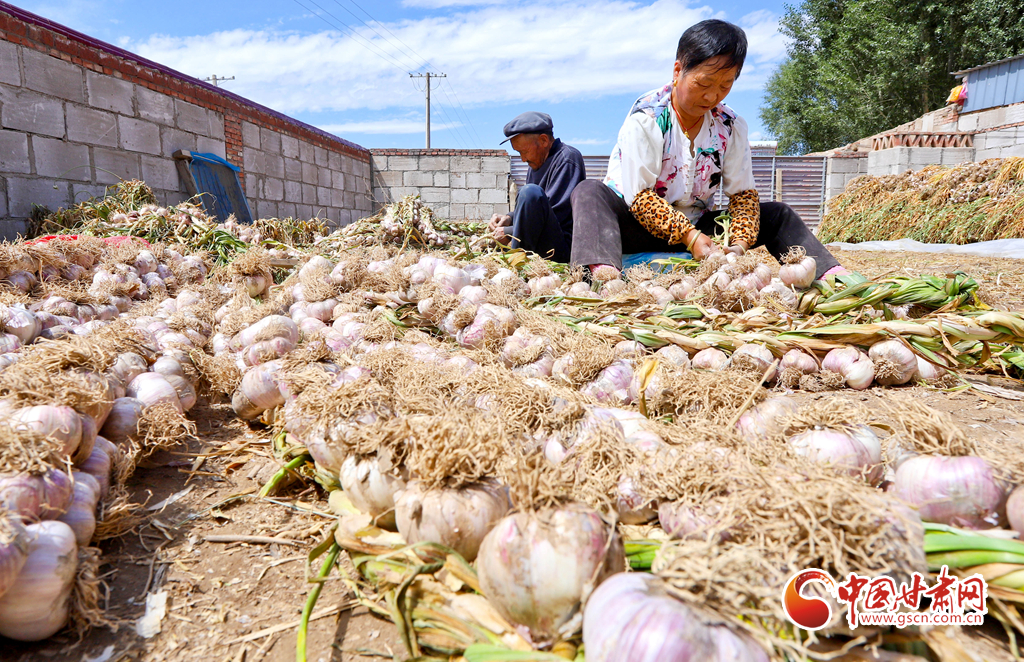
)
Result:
{"points": [[988, 64], [995, 84]]}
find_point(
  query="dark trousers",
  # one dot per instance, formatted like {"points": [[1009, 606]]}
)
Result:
{"points": [[604, 229], [535, 228]]}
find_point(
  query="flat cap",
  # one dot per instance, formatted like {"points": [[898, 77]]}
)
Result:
{"points": [[529, 122]]}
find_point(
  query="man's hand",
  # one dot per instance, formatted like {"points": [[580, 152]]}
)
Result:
{"points": [[500, 236], [703, 247], [499, 221]]}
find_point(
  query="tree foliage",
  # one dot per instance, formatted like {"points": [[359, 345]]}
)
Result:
{"points": [[855, 68]]}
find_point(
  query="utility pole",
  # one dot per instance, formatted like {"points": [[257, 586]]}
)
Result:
{"points": [[428, 76], [213, 79]]}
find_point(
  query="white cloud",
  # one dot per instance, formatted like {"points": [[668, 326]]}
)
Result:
{"points": [[386, 127], [588, 141], [512, 53]]}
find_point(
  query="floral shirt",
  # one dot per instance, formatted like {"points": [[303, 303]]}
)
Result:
{"points": [[653, 152]]}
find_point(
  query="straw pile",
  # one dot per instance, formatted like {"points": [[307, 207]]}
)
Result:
{"points": [[966, 203]]}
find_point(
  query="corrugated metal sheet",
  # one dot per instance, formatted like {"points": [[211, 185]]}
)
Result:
{"points": [[994, 85], [596, 167], [803, 180]]}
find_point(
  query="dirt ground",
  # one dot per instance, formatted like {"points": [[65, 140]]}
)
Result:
{"points": [[236, 601]]}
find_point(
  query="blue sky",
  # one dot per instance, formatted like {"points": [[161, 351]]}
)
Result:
{"points": [[328, 63]]}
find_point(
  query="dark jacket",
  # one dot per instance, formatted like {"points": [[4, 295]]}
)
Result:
{"points": [[558, 176]]}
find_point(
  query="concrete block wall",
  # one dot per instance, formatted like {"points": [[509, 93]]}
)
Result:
{"points": [[840, 171], [900, 159], [1000, 143], [289, 177], [77, 115], [459, 185], [66, 133]]}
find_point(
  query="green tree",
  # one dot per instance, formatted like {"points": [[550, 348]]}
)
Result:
{"points": [[858, 67]]}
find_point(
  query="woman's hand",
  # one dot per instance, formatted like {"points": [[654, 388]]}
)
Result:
{"points": [[703, 247], [738, 249]]}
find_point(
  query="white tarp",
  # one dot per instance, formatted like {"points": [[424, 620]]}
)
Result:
{"points": [[1010, 248]]}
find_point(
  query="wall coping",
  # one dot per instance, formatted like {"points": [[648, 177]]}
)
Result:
{"points": [[102, 46], [438, 152]]}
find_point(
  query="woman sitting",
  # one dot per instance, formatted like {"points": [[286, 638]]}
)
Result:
{"points": [[678, 145]]}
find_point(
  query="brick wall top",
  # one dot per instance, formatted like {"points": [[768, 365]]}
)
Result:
{"points": [[32, 31], [438, 152]]}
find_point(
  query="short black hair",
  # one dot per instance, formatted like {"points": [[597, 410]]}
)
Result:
{"points": [[710, 39]]}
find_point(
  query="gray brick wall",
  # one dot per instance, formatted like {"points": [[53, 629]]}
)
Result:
{"points": [[67, 132], [457, 184], [285, 176], [900, 159]]}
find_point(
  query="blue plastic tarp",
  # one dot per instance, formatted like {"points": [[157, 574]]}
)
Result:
{"points": [[634, 259]]}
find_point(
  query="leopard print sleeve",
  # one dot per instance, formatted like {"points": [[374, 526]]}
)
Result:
{"points": [[660, 218], [745, 210]]}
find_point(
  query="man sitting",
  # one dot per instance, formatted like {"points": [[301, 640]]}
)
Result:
{"points": [[542, 220]]}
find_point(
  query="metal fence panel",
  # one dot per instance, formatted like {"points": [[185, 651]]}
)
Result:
{"points": [[802, 181]]}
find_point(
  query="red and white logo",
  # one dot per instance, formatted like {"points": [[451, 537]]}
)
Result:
{"points": [[879, 601]]}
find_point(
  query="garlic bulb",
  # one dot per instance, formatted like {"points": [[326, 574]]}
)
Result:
{"points": [[544, 285], [755, 357], [458, 518], [682, 289], [681, 521], [800, 274], [612, 384], [89, 434], [14, 545], [535, 567], [632, 505], [272, 326], [81, 514], [60, 423], [167, 366], [369, 488], [122, 424], [153, 389], [959, 491], [36, 605], [258, 391], [764, 419], [128, 366], [710, 359], [799, 360], [632, 617], [1015, 510], [34, 497], [895, 363], [99, 465], [857, 370], [186, 392], [856, 454], [928, 371]]}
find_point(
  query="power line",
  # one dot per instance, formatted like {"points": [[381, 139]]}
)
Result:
{"points": [[367, 45], [466, 114], [414, 56], [468, 124], [409, 50], [469, 138], [454, 125]]}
